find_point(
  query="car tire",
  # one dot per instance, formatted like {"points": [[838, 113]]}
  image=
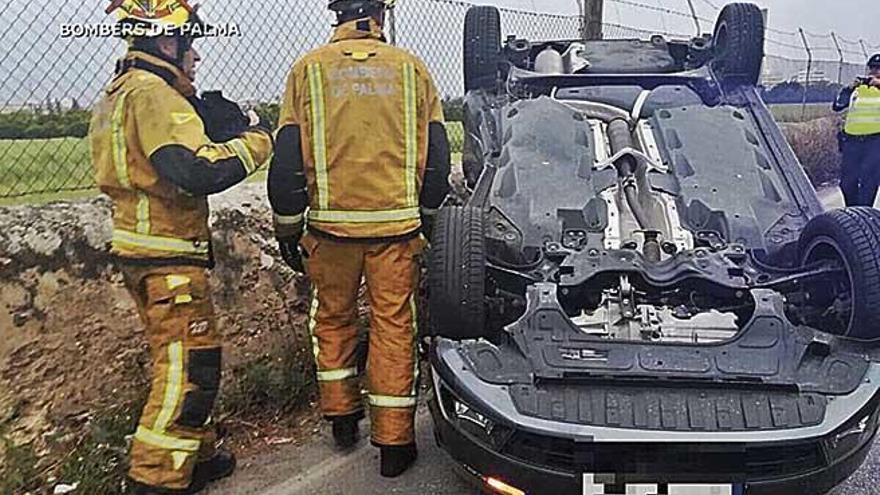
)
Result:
{"points": [[482, 47], [457, 274], [849, 236], [738, 44]]}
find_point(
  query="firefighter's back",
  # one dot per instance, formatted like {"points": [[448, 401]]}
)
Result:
{"points": [[364, 110]]}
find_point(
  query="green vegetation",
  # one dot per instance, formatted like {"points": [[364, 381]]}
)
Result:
{"points": [[53, 123], [456, 136], [98, 463], [270, 385], [453, 109], [30, 166], [47, 166], [268, 113], [18, 470], [793, 112]]}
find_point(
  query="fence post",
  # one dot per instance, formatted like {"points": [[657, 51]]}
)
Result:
{"points": [[392, 26], [840, 60], [696, 19], [591, 18], [809, 70], [864, 49]]}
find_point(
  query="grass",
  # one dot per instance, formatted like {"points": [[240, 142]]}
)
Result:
{"points": [[31, 166], [794, 112], [268, 386], [456, 136], [18, 469], [97, 465], [38, 171]]}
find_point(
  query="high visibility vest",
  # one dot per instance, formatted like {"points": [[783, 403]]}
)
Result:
{"points": [[863, 118]]}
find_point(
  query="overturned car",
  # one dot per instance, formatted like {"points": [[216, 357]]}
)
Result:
{"points": [[643, 293]]}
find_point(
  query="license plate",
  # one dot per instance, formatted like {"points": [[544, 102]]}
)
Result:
{"points": [[594, 487]]}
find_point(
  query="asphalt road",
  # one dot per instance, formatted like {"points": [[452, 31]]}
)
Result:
{"points": [[316, 469]]}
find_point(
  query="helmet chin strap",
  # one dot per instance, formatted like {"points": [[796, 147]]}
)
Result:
{"points": [[183, 45]]}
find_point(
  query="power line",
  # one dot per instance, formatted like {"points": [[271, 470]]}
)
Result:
{"points": [[663, 10], [780, 31], [784, 45], [663, 16], [654, 8], [711, 4]]}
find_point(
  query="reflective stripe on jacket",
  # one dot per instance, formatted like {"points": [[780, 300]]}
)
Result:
{"points": [[143, 119], [863, 118], [363, 109]]}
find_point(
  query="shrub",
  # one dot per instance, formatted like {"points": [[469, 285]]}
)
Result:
{"points": [[34, 125], [268, 113], [453, 109], [815, 144]]}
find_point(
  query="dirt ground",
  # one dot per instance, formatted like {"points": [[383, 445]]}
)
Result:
{"points": [[71, 344]]}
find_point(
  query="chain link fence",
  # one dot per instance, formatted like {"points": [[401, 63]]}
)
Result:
{"points": [[48, 82]]}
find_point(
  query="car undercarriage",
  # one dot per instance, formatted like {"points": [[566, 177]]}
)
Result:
{"points": [[642, 266]]}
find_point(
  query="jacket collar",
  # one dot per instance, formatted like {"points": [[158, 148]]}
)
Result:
{"points": [[358, 29], [169, 72]]}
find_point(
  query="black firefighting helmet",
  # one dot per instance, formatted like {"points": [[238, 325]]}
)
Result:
{"points": [[347, 10]]}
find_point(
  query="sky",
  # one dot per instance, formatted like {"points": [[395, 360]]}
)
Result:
{"points": [[39, 64], [849, 18]]}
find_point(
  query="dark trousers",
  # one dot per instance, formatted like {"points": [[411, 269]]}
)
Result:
{"points": [[860, 174]]}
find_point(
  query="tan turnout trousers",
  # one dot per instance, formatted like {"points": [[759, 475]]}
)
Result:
{"points": [[391, 271], [174, 303]]}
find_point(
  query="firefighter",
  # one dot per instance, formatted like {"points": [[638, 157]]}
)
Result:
{"points": [[362, 146], [860, 139], [153, 158]]}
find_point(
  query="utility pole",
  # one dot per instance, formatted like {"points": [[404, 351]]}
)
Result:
{"points": [[582, 17], [591, 18]]}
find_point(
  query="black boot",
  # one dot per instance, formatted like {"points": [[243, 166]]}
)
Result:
{"points": [[204, 472], [395, 459], [218, 467], [345, 430], [138, 488]]}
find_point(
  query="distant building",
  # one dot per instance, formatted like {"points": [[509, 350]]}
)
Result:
{"points": [[21, 107], [816, 76], [40, 106]]}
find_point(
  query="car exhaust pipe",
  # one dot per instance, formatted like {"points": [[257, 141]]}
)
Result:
{"points": [[620, 137]]}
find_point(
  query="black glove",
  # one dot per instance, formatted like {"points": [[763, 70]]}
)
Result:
{"points": [[289, 247], [223, 118]]}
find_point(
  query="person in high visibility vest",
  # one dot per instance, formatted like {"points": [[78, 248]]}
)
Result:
{"points": [[158, 158], [860, 139], [363, 157]]}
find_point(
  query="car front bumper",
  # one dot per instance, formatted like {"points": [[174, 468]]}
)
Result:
{"points": [[526, 474]]}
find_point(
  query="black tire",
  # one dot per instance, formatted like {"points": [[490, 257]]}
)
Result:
{"points": [[482, 47], [457, 274], [849, 236], [739, 43]]}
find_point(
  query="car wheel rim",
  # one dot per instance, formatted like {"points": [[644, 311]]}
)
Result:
{"points": [[824, 248]]}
